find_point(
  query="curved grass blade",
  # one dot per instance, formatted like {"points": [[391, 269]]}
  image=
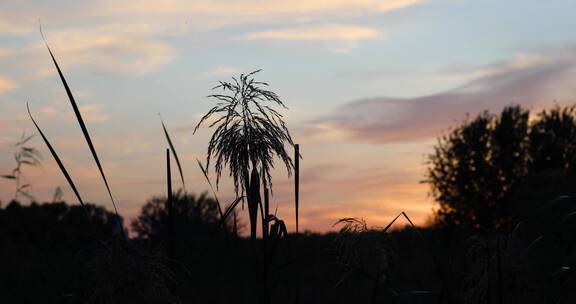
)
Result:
{"points": [[421, 238], [222, 217], [409, 221], [57, 159], [392, 222], [210, 184], [80, 121], [173, 153], [232, 206]]}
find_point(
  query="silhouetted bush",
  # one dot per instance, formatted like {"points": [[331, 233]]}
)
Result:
{"points": [[193, 216]]}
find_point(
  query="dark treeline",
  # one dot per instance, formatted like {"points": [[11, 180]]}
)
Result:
{"points": [[65, 255], [56, 253]]}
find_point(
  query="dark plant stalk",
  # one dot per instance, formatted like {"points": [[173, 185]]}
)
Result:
{"points": [[296, 180], [235, 228], [266, 259], [253, 193], [266, 210], [170, 209]]}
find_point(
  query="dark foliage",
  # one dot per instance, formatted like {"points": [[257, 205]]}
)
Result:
{"points": [[553, 140], [479, 172], [192, 216], [42, 248], [39, 221], [121, 271]]}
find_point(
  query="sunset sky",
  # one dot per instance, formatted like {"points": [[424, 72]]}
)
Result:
{"points": [[369, 85]]}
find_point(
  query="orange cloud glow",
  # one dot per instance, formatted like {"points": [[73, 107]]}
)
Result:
{"points": [[6, 84]]}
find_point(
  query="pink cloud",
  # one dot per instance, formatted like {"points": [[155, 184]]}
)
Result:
{"points": [[530, 81]]}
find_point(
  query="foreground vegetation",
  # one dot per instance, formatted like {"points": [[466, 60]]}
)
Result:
{"points": [[55, 253]]}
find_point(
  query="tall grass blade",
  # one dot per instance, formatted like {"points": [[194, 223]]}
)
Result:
{"points": [[80, 121], [174, 153], [211, 187], [57, 159]]}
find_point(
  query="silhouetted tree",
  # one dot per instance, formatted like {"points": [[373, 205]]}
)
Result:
{"points": [[553, 160], [553, 140], [193, 215], [488, 171], [476, 168]]}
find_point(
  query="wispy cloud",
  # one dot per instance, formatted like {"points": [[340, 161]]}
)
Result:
{"points": [[131, 37], [256, 10], [109, 49], [338, 39], [318, 33], [530, 80], [180, 16]]}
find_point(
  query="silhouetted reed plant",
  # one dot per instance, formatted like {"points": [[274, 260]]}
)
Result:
{"points": [[249, 133], [24, 156]]}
